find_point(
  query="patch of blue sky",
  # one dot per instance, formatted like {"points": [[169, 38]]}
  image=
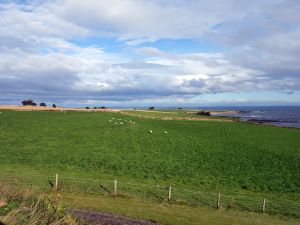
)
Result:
{"points": [[109, 45], [182, 46], [24, 2]]}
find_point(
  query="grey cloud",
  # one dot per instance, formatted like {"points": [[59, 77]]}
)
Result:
{"points": [[260, 38]]}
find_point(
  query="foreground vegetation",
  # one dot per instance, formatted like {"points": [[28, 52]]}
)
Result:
{"points": [[169, 213], [26, 207]]}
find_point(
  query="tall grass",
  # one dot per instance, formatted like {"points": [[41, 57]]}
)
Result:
{"points": [[27, 207]]}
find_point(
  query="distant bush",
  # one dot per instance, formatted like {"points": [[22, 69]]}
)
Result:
{"points": [[179, 108], [87, 107], [28, 102], [102, 107], [203, 113], [151, 107], [54, 106], [43, 104]]}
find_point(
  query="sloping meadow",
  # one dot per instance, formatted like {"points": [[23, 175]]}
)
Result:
{"points": [[204, 154]]}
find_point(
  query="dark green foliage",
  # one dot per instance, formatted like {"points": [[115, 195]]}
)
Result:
{"points": [[43, 104], [203, 113], [28, 102]]}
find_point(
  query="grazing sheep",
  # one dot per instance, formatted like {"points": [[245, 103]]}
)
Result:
{"points": [[116, 123], [165, 132], [109, 120], [150, 131], [121, 123]]}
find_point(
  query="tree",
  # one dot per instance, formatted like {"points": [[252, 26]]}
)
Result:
{"points": [[102, 107], [151, 107], [87, 107], [43, 104], [54, 106], [28, 102], [203, 113], [34, 104]]}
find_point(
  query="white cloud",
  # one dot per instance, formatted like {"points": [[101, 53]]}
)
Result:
{"points": [[38, 57]]}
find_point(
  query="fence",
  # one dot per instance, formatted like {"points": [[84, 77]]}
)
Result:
{"points": [[161, 193]]}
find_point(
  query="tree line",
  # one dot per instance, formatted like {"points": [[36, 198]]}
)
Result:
{"points": [[32, 103]]}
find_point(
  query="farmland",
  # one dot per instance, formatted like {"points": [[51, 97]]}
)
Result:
{"points": [[206, 154]]}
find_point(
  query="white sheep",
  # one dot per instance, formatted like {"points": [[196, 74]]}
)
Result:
{"points": [[150, 131], [121, 123], [165, 132]]}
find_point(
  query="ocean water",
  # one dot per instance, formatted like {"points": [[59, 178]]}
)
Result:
{"points": [[286, 116]]}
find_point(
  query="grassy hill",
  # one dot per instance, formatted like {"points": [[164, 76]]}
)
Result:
{"points": [[207, 154]]}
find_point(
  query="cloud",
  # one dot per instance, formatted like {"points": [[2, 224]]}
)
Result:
{"points": [[137, 19], [41, 58]]}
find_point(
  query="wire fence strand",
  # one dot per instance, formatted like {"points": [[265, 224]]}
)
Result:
{"points": [[159, 193]]}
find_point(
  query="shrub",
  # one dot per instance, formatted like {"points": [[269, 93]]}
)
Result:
{"points": [[203, 113], [54, 106], [87, 107], [28, 102], [151, 107], [43, 104]]}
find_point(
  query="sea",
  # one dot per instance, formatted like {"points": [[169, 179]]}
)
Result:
{"points": [[283, 116]]}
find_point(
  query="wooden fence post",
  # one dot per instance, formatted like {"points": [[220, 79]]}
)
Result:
{"points": [[56, 182], [264, 205], [219, 201], [115, 187], [170, 192]]}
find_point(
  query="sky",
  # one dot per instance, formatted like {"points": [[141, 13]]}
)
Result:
{"points": [[139, 53]]}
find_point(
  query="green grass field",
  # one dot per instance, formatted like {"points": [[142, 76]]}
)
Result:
{"points": [[230, 157], [171, 214]]}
